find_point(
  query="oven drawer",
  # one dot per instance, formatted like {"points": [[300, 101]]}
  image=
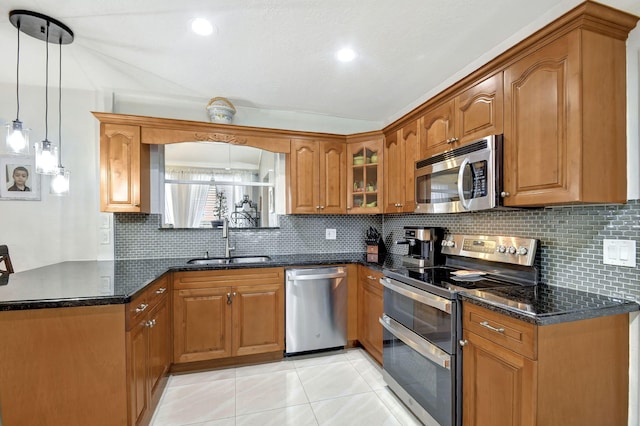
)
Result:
{"points": [[518, 336]]}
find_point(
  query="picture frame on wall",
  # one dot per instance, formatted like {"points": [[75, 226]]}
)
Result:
{"points": [[18, 178]]}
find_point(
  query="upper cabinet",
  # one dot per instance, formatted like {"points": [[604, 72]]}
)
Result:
{"points": [[474, 113], [364, 176], [400, 154], [564, 124], [317, 177], [124, 170]]}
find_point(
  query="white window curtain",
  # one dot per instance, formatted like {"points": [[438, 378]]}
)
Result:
{"points": [[185, 202]]}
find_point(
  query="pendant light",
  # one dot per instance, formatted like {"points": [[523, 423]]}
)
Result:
{"points": [[59, 184], [48, 30], [17, 139]]}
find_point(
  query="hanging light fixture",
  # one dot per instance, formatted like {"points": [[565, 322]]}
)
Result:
{"points": [[48, 30], [17, 139], [60, 181]]}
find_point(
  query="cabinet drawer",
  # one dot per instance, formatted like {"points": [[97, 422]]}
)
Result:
{"points": [[518, 336], [144, 303]]}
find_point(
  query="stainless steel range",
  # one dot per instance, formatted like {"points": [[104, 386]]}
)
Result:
{"points": [[421, 320]]}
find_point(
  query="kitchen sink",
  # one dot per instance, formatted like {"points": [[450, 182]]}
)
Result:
{"points": [[249, 259], [224, 260]]}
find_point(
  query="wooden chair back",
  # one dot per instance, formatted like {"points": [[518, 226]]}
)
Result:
{"points": [[4, 258]]}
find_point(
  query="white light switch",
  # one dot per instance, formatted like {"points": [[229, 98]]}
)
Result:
{"points": [[330, 234], [619, 252]]}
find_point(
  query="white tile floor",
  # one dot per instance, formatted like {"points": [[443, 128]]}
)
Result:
{"points": [[343, 388]]}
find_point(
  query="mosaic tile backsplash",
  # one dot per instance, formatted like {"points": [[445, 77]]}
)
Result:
{"points": [[570, 239]]}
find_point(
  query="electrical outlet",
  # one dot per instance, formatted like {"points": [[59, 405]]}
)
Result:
{"points": [[619, 252], [330, 234]]}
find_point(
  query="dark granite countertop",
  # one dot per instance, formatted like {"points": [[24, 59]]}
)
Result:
{"points": [[85, 283], [546, 304]]}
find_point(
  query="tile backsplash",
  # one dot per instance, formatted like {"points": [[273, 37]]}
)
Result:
{"points": [[570, 239]]}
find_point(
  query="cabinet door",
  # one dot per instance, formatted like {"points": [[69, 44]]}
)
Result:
{"points": [[333, 179], [410, 139], [304, 195], [124, 170], [499, 385], [138, 355], [202, 324], [394, 173], [370, 308], [479, 110], [364, 177], [258, 319], [542, 149], [437, 129], [159, 343]]}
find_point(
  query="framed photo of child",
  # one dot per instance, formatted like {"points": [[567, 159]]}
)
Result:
{"points": [[18, 178]]}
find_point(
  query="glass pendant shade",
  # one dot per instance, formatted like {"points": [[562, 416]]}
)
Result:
{"points": [[17, 138], [46, 158], [60, 182]]}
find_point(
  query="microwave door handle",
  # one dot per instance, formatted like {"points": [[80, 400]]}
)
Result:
{"points": [[465, 203]]}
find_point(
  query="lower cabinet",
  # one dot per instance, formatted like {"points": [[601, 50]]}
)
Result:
{"points": [[516, 373], [148, 350], [370, 307], [227, 313]]}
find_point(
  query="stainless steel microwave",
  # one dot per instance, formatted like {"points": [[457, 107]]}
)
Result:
{"points": [[466, 178]]}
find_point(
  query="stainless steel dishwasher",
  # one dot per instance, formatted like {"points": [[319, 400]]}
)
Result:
{"points": [[316, 309]]}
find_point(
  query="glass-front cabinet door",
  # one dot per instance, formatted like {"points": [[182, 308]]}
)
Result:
{"points": [[364, 177]]}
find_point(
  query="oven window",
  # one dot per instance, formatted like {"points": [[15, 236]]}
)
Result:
{"points": [[428, 383], [428, 322], [442, 187]]}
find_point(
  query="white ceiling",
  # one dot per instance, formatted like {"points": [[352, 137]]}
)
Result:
{"points": [[279, 54]]}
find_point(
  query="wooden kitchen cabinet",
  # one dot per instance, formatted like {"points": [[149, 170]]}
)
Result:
{"points": [[317, 177], [148, 350], [564, 124], [364, 176], [370, 309], [400, 154], [472, 114], [124, 170], [227, 313], [516, 373]]}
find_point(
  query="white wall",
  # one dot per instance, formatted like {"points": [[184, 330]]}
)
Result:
{"points": [[55, 229]]}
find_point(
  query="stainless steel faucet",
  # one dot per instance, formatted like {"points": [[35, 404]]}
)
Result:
{"points": [[225, 235]]}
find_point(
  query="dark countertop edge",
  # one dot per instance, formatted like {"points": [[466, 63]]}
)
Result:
{"points": [[624, 307], [277, 261], [23, 305]]}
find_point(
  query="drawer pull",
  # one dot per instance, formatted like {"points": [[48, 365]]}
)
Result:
{"points": [[463, 342], [228, 298], [487, 325], [141, 308], [371, 277], [161, 290]]}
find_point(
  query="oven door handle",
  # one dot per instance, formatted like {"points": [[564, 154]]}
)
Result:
{"points": [[465, 203], [437, 302], [423, 347]]}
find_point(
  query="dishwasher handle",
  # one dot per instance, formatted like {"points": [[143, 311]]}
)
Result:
{"points": [[315, 276]]}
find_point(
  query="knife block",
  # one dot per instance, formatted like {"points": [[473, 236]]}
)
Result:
{"points": [[376, 251]]}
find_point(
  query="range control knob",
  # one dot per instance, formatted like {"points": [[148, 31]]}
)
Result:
{"points": [[522, 251], [511, 250], [501, 249]]}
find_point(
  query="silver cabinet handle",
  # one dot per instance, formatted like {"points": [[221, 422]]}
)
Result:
{"points": [[423, 347], [437, 302], [463, 342], [371, 277], [228, 298], [504, 194], [321, 207], [234, 294], [161, 290], [142, 307], [485, 324]]}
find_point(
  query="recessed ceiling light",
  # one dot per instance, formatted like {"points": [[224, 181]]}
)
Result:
{"points": [[346, 55], [201, 26]]}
